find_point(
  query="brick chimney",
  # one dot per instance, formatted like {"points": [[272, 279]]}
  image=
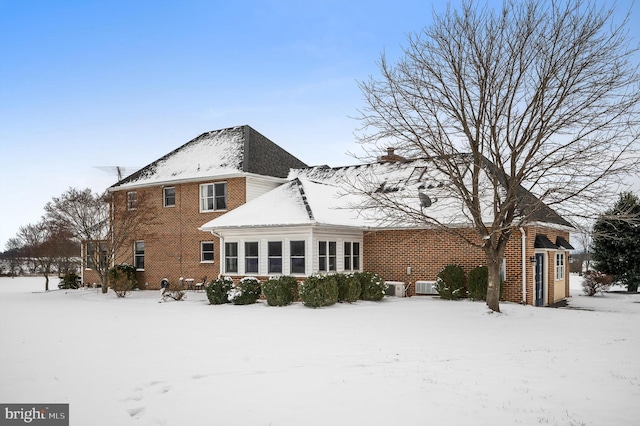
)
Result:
{"points": [[391, 157]]}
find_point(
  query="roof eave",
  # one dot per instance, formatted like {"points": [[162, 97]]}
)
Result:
{"points": [[171, 182]]}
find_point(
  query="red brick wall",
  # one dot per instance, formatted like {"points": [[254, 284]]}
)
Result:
{"points": [[390, 253], [170, 234]]}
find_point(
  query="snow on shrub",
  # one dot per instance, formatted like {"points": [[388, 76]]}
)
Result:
{"points": [[246, 292], [280, 291], [372, 286], [218, 290], [595, 282], [450, 282], [319, 290], [122, 279], [349, 288]]}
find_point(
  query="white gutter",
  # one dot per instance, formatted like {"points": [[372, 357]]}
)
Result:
{"points": [[524, 266]]}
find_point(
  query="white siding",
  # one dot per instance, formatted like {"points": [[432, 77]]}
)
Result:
{"points": [[256, 187]]}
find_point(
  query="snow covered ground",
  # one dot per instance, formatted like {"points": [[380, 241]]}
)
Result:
{"points": [[414, 361]]}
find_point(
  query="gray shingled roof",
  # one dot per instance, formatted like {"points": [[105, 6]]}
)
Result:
{"points": [[217, 153]]}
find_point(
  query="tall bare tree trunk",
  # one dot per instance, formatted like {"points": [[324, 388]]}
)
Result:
{"points": [[494, 261]]}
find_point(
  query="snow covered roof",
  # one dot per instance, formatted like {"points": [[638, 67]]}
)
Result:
{"points": [[215, 154], [352, 196], [297, 202]]}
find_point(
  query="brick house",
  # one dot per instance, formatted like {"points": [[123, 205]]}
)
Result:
{"points": [[316, 223], [232, 202], [203, 179]]}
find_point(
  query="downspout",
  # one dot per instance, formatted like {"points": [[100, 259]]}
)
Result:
{"points": [[524, 266]]}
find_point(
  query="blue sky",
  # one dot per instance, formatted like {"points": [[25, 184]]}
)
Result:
{"points": [[89, 83]]}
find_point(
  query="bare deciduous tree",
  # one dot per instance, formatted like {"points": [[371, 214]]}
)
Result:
{"points": [[88, 216], [540, 97], [45, 244]]}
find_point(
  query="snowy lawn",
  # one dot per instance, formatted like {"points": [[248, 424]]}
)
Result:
{"points": [[414, 361]]}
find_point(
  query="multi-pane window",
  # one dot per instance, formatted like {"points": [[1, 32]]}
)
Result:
{"points": [[327, 255], [213, 196], [560, 266], [96, 252], [274, 256], [206, 251], [132, 200], [169, 196], [231, 257], [138, 255], [297, 257], [351, 256], [251, 257]]}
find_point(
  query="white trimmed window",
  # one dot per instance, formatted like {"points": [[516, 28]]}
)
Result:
{"points": [[251, 257], [213, 196], [132, 200], [351, 256], [231, 257], [274, 256], [297, 252], [138, 255], [206, 252], [169, 196], [327, 255], [560, 265]]}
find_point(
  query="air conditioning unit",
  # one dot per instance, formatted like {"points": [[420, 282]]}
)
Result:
{"points": [[395, 288], [426, 287]]}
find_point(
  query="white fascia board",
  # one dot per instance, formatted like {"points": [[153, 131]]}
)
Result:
{"points": [[204, 179], [555, 226], [238, 231]]}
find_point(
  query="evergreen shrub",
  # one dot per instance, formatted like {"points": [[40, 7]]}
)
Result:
{"points": [[69, 280], [478, 282], [246, 292], [280, 291], [349, 288], [450, 282], [319, 290], [372, 286], [122, 279], [218, 290]]}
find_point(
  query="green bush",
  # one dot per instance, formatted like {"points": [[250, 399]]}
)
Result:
{"points": [[450, 282], [69, 280], [319, 290], [478, 281], [372, 287], [218, 290], [246, 292], [349, 288], [122, 279], [280, 291]]}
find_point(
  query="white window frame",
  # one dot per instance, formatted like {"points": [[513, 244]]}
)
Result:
{"points": [[247, 257], [560, 265], [227, 257], [138, 254], [270, 257], [164, 196], [212, 251], [350, 256], [209, 201], [298, 256], [329, 256]]}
